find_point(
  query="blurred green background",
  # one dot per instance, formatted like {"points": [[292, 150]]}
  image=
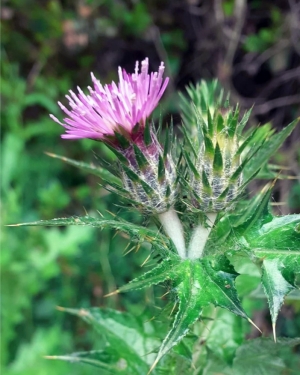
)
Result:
{"points": [[49, 47]]}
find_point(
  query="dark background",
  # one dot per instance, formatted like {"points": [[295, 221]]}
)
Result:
{"points": [[49, 47]]}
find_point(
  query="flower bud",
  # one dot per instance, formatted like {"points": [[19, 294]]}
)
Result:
{"points": [[216, 183], [215, 164]]}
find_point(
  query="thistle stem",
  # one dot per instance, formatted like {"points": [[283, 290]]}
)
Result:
{"points": [[199, 238], [173, 228]]}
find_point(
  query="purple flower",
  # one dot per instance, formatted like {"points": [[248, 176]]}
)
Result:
{"points": [[111, 107]]}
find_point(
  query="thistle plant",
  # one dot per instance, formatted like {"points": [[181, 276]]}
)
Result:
{"points": [[195, 192]]}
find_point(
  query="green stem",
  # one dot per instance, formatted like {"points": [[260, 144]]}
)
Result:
{"points": [[173, 228], [199, 238]]}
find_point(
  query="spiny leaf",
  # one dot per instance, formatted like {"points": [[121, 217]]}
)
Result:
{"points": [[231, 231], [198, 284], [137, 232], [166, 270], [220, 290], [255, 212], [276, 242], [268, 149], [127, 337], [275, 286], [188, 312], [276, 233]]}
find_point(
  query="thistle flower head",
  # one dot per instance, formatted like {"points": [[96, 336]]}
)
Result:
{"points": [[117, 115], [115, 107]]}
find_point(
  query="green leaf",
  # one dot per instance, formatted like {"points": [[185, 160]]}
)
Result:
{"points": [[130, 340], [276, 287], [165, 270], [280, 270], [230, 232], [189, 310], [267, 150], [256, 213], [275, 242], [250, 274], [278, 233], [272, 242], [198, 284], [218, 277], [136, 232]]}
